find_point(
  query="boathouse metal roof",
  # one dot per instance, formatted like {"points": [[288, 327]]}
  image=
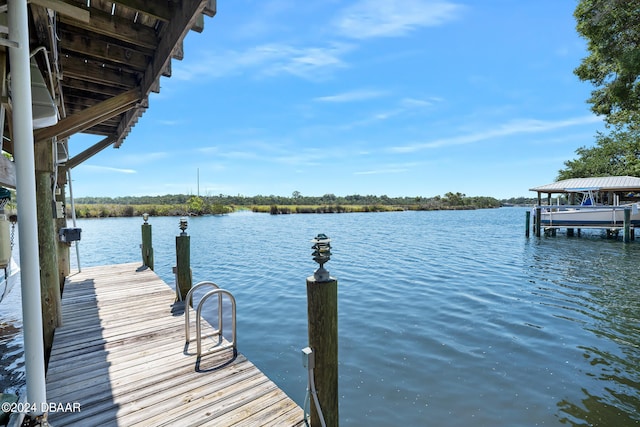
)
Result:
{"points": [[603, 183]]}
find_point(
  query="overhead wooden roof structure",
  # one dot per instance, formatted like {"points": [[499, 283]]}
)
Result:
{"points": [[101, 59], [68, 67]]}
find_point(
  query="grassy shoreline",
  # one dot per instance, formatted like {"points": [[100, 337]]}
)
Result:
{"points": [[115, 210], [189, 205]]}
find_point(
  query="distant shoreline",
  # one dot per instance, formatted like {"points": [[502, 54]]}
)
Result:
{"points": [[189, 205], [121, 211]]}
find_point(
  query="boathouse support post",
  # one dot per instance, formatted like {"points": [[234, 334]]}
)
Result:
{"points": [[47, 246], [527, 223], [322, 310], [537, 221], [627, 225], [64, 260], [22, 119], [183, 261], [147, 248]]}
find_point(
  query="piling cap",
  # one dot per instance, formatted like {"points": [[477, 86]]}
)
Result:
{"points": [[183, 225], [321, 254]]}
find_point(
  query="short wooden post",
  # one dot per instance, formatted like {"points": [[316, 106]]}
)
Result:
{"points": [[322, 310], [183, 261], [147, 248], [527, 223], [627, 225], [537, 221], [570, 232]]}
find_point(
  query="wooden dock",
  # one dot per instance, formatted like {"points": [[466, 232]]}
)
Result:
{"points": [[120, 356]]}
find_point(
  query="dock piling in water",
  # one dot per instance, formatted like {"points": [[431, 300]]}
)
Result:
{"points": [[147, 248], [322, 309], [183, 261]]}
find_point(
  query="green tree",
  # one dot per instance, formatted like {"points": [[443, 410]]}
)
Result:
{"points": [[615, 154], [612, 31], [196, 205]]}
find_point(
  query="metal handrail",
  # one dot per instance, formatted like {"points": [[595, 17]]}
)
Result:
{"points": [[189, 301], [218, 292]]}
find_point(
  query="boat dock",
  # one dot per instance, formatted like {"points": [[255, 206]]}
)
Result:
{"points": [[120, 359]]}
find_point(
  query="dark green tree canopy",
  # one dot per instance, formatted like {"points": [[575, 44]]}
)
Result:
{"points": [[612, 30], [615, 154]]}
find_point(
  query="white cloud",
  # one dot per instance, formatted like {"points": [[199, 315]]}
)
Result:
{"points": [[97, 168], [380, 171], [356, 95], [418, 103], [511, 128], [393, 18], [311, 63]]}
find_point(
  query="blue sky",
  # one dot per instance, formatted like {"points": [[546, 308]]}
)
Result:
{"points": [[395, 97]]}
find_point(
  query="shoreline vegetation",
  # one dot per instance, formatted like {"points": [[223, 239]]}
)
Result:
{"points": [[190, 205]]}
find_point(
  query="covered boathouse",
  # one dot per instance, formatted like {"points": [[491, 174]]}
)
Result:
{"points": [[69, 67], [610, 202]]}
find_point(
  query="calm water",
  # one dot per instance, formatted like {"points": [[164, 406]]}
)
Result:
{"points": [[445, 318]]}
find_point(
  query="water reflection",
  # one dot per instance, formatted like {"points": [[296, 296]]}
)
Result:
{"points": [[594, 283]]}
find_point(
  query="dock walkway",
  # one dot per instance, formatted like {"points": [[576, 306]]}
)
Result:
{"points": [[121, 356]]}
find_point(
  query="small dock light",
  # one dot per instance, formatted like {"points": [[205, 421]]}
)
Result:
{"points": [[321, 254], [145, 217], [183, 225]]}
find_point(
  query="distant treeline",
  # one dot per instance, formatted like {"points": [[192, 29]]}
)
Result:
{"points": [[183, 204]]}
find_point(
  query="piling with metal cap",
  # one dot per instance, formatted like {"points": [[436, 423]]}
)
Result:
{"points": [[147, 248], [322, 310], [183, 261]]}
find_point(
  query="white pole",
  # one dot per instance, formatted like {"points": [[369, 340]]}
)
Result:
{"points": [[26, 197]]}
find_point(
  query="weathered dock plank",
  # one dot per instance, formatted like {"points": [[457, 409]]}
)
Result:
{"points": [[121, 355]]}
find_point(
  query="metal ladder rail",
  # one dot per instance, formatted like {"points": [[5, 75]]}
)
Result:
{"points": [[219, 293], [189, 300]]}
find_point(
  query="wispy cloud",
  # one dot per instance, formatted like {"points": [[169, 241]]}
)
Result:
{"points": [[419, 103], [355, 95], [384, 18], [269, 60], [511, 128], [382, 171], [97, 168]]}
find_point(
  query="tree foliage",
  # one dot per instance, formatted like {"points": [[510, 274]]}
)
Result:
{"points": [[615, 154], [612, 30]]}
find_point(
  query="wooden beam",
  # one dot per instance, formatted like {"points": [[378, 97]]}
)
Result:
{"points": [[66, 9], [91, 116], [90, 152], [117, 28], [87, 46], [73, 86], [184, 18], [210, 9], [93, 72], [156, 9]]}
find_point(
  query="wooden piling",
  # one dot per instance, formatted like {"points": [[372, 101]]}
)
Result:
{"points": [[322, 309], [527, 223], [147, 248], [537, 221], [64, 263], [183, 265], [627, 225], [47, 247]]}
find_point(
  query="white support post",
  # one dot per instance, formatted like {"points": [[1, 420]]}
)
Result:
{"points": [[26, 197]]}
